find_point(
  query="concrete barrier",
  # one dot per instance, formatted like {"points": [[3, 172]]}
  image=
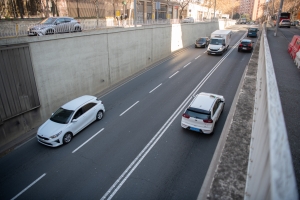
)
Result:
{"points": [[70, 65]]}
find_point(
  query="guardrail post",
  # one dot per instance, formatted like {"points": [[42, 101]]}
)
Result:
{"points": [[17, 30]]}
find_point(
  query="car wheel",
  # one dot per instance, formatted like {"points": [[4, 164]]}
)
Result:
{"points": [[67, 138], [77, 29], [99, 115]]}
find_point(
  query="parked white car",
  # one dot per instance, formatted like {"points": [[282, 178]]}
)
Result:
{"points": [[203, 113], [188, 20], [69, 120]]}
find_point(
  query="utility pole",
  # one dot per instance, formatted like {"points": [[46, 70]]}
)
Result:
{"points": [[278, 16]]}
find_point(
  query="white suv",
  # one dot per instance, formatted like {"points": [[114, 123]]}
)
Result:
{"points": [[203, 113]]}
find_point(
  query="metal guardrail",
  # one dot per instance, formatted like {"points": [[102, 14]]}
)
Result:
{"points": [[21, 29], [270, 169]]}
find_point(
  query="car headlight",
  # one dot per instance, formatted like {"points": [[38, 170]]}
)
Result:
{"points": [[221, 48], [56, 135]]}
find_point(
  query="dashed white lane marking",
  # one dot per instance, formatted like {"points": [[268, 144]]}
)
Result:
{"points": [[129, 108], [174, 74], [88, 140], [28, 187], [155, 88], [186, 65]]}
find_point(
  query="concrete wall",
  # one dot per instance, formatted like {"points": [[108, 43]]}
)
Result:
{"points": [[70, 65]]}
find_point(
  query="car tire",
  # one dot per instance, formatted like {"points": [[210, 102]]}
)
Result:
{"points": [[67, 138], [99, 115], [77, 29]]}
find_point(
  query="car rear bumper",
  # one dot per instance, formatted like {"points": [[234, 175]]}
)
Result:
{"points": [[201, 129]]}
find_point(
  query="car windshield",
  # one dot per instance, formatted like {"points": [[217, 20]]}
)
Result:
{"points": [[48, 21], [252, 29], [216, 41], [197, 115], [62, 116], [201, 40]]}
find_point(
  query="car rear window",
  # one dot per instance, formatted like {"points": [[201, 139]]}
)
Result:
{"points": [[243, 42], [198, 115], [285, 20], [201, 40]]}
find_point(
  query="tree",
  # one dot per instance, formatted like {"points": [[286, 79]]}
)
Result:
{"points": [[182, 4]]}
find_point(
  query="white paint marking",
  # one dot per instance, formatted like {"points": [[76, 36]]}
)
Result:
{"points": [[88, 140], [205, 51], [186, 65], [155, 88], [197, 57], [134, 164], [128, 108], [174, 74], [28, 187]]}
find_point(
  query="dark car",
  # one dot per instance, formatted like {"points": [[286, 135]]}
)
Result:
{"points": [[245, 45], [202, 42], [53, 25], [252, 32]]}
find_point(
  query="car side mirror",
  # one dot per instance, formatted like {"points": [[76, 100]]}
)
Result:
{"points": [[52, 114], [74, 120], [57, 23]]}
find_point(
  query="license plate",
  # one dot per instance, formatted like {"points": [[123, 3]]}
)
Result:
{"points": [[244, 48], [213, 53], [195, 129]]}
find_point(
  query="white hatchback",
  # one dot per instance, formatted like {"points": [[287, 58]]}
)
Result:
{"points": [[203, 112], [69, 120]]}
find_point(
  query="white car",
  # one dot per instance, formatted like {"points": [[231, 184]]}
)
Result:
{"points": [[69, 120], [203, 112], [188, 20]]}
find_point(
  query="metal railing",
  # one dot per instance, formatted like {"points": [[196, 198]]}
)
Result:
{"points": [[21, 29], [270, 170]]}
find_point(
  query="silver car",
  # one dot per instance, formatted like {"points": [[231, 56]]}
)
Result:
{"points": [[285, 23], [53, 25]]}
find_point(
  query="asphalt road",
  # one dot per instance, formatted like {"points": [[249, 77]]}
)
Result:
{"points": [[138, 150]]}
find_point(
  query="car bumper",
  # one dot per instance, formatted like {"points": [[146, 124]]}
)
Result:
{"points": [[215, 52], [49, 142], [200, 130], [245, 49], [199, 45]]}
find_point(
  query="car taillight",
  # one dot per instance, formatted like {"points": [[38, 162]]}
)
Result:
{"points": [[208, 121], [240, 45], [249, 45], [186, 116]]}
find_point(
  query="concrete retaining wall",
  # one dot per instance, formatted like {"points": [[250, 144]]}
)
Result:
{"points": [[70, 65]]}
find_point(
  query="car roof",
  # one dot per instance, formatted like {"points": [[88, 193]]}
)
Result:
{"points": [[76, 103], [246, 40], [203, 101]]}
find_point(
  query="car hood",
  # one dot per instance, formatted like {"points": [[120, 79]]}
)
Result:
{"points": [[41, 26], [50, 128]]}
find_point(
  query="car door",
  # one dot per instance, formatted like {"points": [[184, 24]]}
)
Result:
{"points": [[69, 26], [59, 25], [77, 122], [217, 110], [90, 112]]}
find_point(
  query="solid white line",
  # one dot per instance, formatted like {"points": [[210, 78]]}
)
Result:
{"points": [[174, 74], [197, 57], [88, 140], [155, 88], [134, 164], [186, 65], [128, 108], [28, 187]]}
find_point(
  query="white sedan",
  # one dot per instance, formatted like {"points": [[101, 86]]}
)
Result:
{"points": [[69, 120], [188, 20]]}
